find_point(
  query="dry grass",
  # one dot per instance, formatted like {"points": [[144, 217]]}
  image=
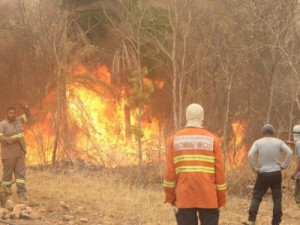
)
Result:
{"points": [[110, 199], [105, 199]]}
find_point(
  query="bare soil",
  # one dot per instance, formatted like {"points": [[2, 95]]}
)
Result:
{"points": [[107, 199]]}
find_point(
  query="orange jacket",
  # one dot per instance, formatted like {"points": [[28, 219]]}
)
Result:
{"points": [[194, 175]]}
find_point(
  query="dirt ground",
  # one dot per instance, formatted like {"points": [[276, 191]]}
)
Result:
{"points": [[109, 200]]}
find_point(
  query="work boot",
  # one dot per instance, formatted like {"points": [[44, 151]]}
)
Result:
{"points": [[249, 222]]}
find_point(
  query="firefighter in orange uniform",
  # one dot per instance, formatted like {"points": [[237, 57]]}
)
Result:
{"points": [[194, 179]]}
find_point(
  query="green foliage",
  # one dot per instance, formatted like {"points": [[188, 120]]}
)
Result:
{"points": [[70, 46], [140, 22], [192, 92], [137, 132], [98, 21], [141, 89], [94, 15], [68, 4], [85, 51], [207, 73], [156, 22], [89, 17]]}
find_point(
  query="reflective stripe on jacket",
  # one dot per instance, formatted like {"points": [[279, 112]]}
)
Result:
{"points": [[9, 131], [194, 175]]}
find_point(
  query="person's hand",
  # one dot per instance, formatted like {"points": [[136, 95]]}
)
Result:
{"points": [[280, 166], [293, 176], [23, 105]]}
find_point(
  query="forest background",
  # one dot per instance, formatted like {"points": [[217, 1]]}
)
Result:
{"points": [[146, 61], [108, 82]]}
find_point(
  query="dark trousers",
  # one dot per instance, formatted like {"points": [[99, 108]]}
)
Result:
{"points": [[190, 217], [16, 166], [263, 182]]}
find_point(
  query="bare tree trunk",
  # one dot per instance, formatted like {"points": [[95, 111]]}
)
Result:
{"points": [[160, 141], [298, 104], [183, 71], [180, 104], [58, 117], [140, 78], [295, 90], [65, 116], [290, 136], [140, 153], [60, 59], [127, 121], [174, 65], [270, 102], [174, 97], [20, 79], [226, 124]]}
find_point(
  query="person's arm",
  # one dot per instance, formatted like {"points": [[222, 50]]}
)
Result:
{"points": [[26, 116], [289, 142], [220, 175], [251, 154], [4, 139], [169, 184], [289, 154], [297, 148], [294, 174]]}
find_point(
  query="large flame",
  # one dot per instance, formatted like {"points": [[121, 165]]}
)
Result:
{"points": [[95, 129], [236, 149]]}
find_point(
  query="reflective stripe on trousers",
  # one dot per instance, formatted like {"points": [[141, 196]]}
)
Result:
{"points": [[17, 167]]}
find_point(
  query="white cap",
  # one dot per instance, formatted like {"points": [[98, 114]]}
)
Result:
{"points": [[194, 115], [296, 133]]}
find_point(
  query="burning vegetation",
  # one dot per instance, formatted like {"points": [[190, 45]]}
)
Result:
{"points": [[163, 55], [94, 129]]}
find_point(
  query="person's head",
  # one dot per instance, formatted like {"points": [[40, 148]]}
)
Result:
{"points": [[11, 113], [296, 133], [268, 130], [194, 115]]}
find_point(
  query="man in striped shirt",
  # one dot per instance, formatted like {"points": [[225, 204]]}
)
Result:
{"points": [[13, 149], [194, 179]]}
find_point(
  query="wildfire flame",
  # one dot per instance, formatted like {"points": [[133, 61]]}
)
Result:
{"points": [[237, 150], [95, 128]]}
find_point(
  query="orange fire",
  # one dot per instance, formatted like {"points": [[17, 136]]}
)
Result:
{"points": [[95, 129], [237, 153], [157, 83]]}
